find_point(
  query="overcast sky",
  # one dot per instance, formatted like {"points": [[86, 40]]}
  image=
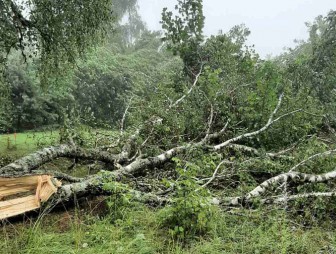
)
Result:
{"points": [[274, 24]]}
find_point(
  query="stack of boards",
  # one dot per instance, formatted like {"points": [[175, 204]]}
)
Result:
{"points": [[23, 194]]}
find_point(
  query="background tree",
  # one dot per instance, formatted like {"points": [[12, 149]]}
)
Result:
{"points": [[184, 33], [39, 97], [53, 34], [56, 32]]}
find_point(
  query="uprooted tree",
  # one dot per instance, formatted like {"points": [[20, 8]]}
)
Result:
{"points": [[251, 132]]}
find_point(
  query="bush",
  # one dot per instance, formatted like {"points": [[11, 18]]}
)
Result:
{"points": [[190, 212]]}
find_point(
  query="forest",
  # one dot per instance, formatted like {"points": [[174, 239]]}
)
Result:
{"points": [[163, 141]]}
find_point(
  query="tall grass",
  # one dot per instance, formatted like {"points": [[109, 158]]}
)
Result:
{"points": [[139, 231]]}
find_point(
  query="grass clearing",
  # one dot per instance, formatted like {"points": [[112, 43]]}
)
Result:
{"points": [[21, 144]]}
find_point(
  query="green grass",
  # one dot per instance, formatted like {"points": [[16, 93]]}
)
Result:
{"points": [[21, 144], [139, 231], [24, 143]]}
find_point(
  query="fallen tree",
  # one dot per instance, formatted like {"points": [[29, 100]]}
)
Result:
{"points": [[129, 164]]}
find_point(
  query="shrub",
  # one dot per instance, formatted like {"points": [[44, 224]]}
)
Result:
{"points": [[190, 212]]}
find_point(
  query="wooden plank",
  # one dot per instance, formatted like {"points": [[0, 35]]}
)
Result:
{"points": [[24, 180], [38, 190]]}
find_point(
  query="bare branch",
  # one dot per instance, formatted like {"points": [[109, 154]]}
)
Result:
{"points": [[327, 153], [189, 91], [140, 164], [270, 121], [282, 152], [59, 175], [294, 176], [258, 153], [122, 123], [294, 197], [27, 164], [206, 138], [214, 174], [94, 186], [216, 134]]}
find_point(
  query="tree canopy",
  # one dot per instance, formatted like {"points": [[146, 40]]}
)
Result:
{"points": [[53, 31]]}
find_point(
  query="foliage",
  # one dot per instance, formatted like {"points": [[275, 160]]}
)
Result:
{"points": [[104, 83], [33, 106], [6, 107], [100, 88], [184, 33], [311, 64], [120, 202], [190, 213], [129, 28], [36, 28], [324, 56]]}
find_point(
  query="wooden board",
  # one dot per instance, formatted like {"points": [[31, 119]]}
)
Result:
{"points": [[37, 189]]}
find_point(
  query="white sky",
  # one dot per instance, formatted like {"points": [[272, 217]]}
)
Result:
{"points": [[274, 24]]}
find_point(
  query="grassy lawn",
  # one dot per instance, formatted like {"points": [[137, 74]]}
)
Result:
{"points": [[24, 143]]}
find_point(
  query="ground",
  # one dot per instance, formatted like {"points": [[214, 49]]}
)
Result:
{"points": [[96, 226]]}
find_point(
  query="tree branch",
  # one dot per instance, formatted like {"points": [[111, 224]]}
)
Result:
{"points": [[270, 121], [214, 174], [18, 15], [327, 153], [298, 196], [26, 165], [189, 91], [294, 176], [257, 152]]}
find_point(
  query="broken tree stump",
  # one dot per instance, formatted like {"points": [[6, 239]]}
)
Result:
{"points": [[22, 194]]}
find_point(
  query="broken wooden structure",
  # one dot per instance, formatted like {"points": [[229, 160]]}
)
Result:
{"points": [[22, 194]]}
